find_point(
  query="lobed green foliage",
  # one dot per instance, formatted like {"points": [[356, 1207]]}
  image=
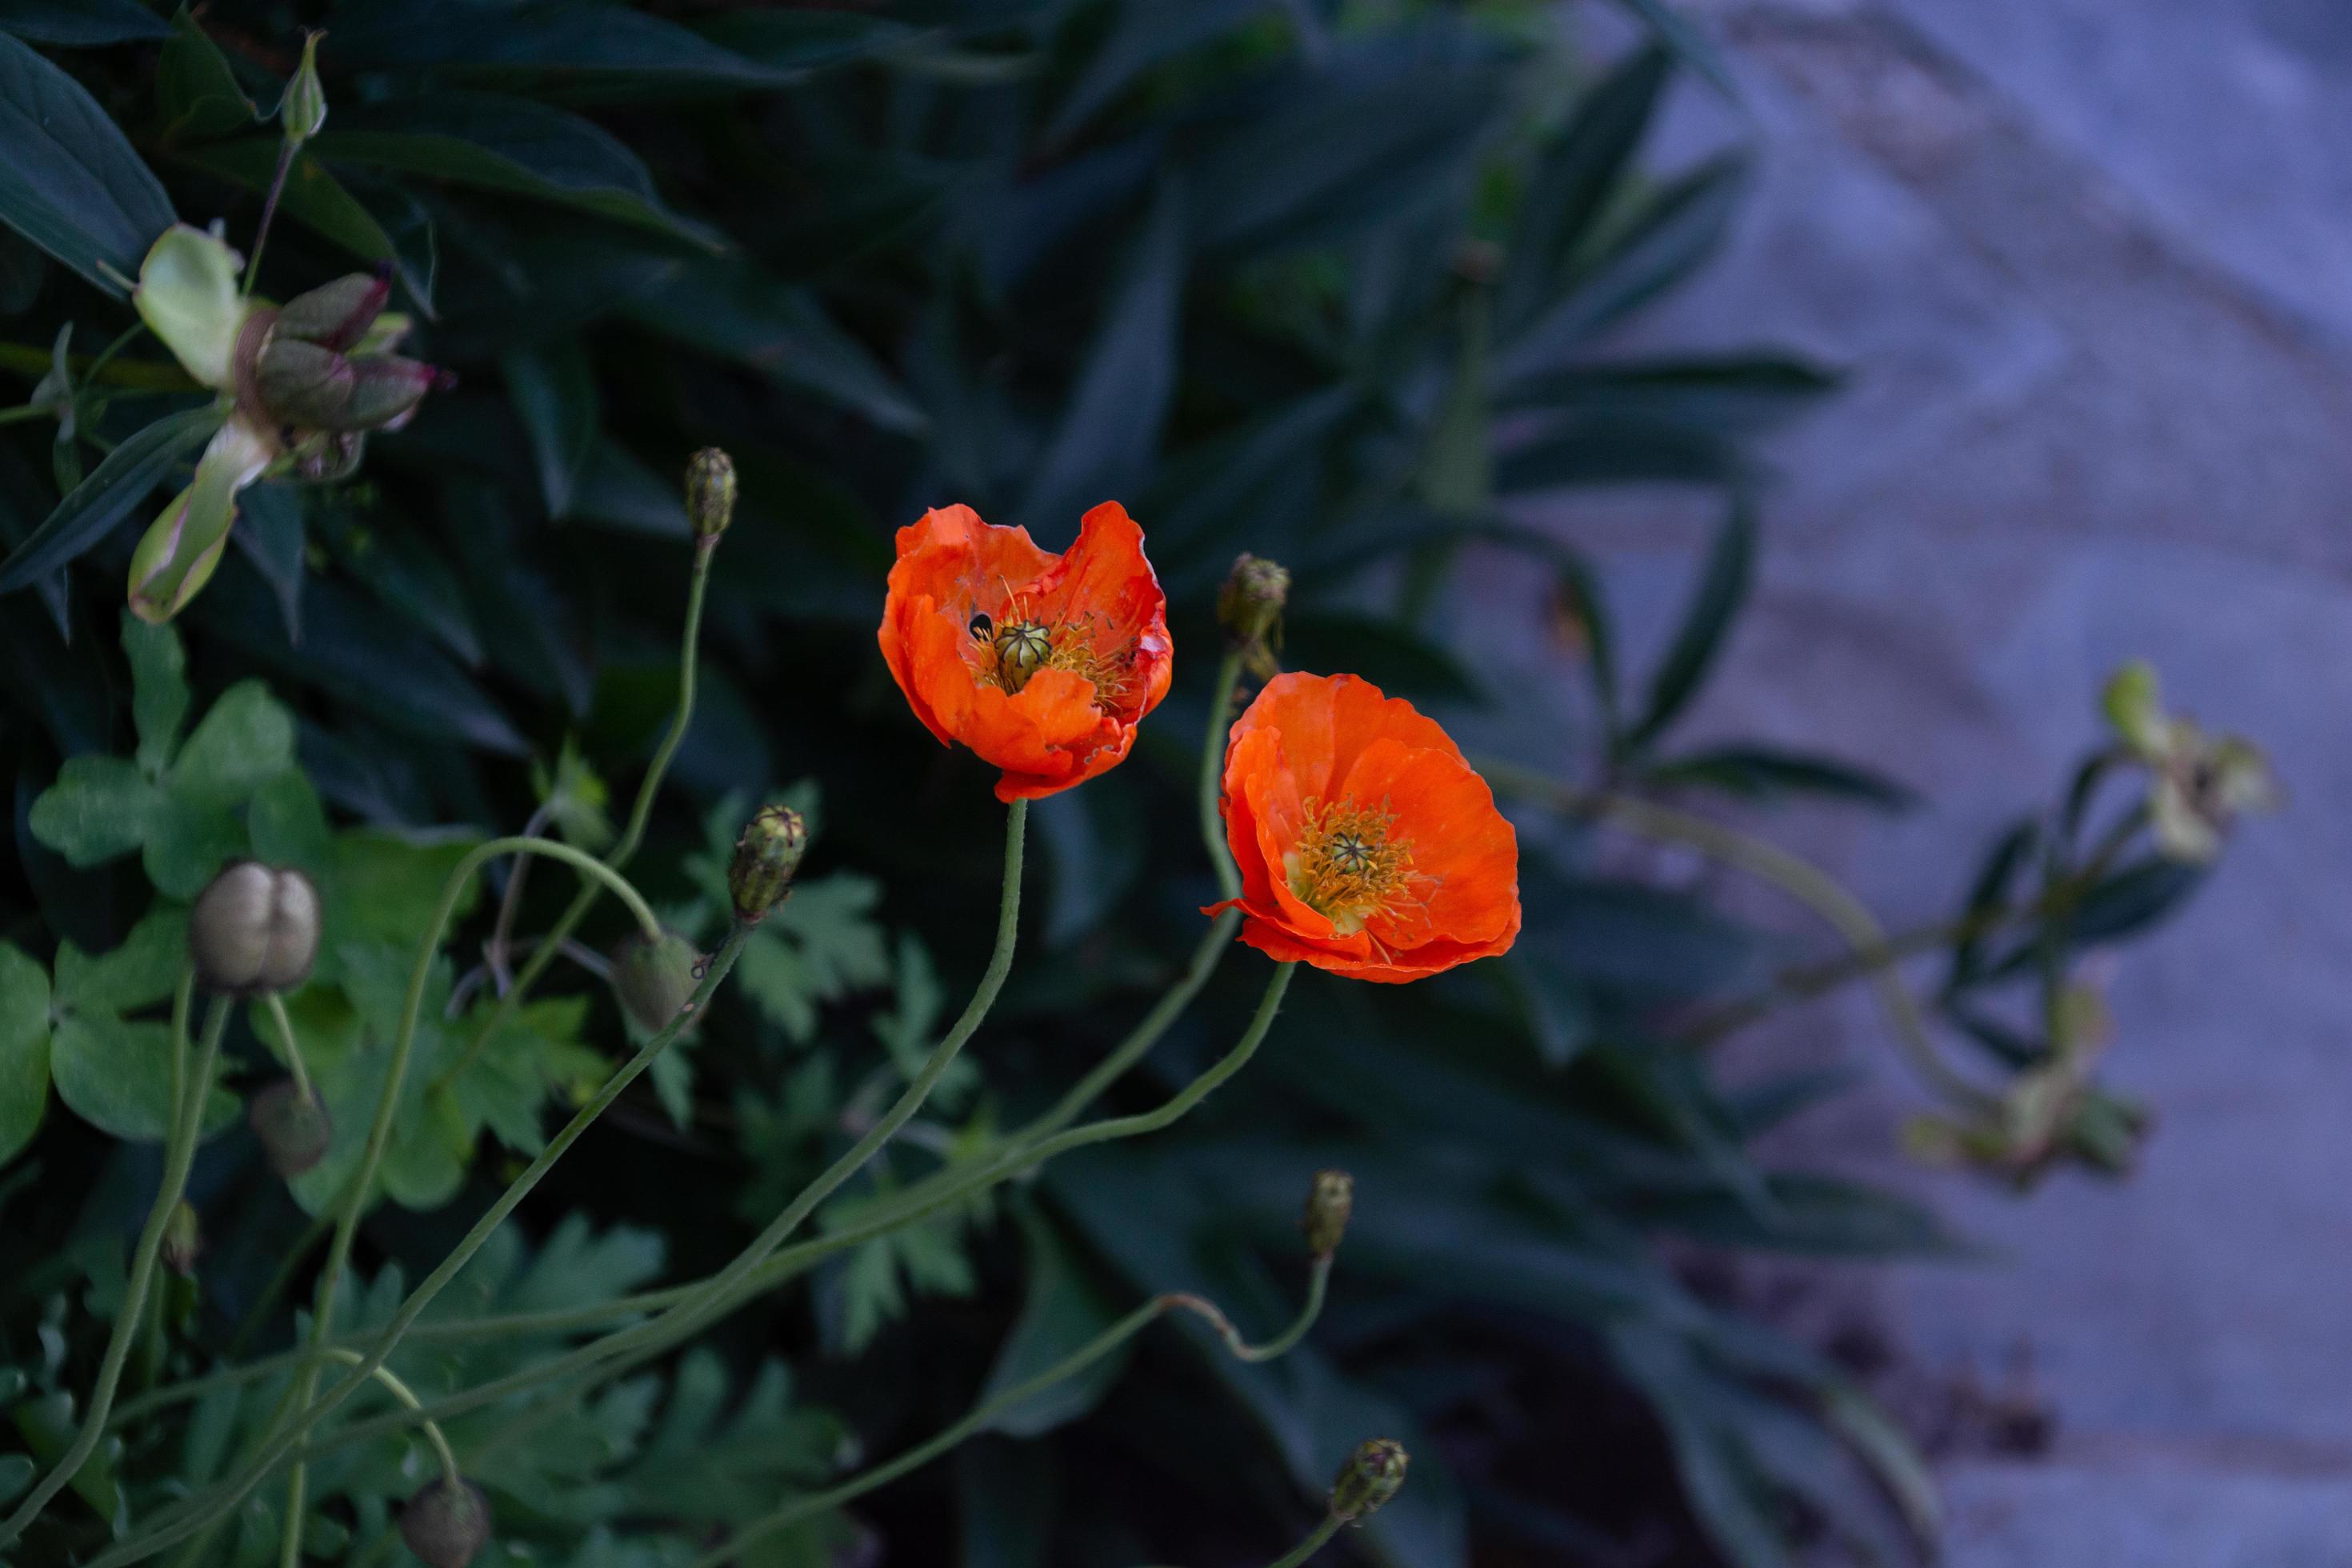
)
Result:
{"points": [[1321, 280]]}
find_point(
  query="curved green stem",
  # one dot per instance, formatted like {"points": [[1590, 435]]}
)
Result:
{"points": [[1146, 1034], [179, 1155], [407, 1395], [988, 1410], [612, 1356], [1213, 768], [215, 1502], [294, 1063], [1800, 880], [632, 835], [1312, 1545]]}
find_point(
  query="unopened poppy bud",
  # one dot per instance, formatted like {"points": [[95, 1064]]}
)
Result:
{"points": [[760, 876], [184, 1240], [294, 1127], [1372, 1475], [446, 1523], [304, 108], [654, 977], [1330, 1202], [1250, 607], [336, 315], [254, 928], [710, 492]]}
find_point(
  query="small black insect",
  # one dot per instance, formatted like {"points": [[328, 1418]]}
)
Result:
{"points": [[981, 626]]}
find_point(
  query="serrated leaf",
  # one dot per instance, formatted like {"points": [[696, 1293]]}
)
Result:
{"points": [[24, 1051], [99, 809], [72, 183], [244, 741]]}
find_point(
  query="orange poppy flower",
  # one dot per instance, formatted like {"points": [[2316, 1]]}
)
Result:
{"points": [[1367, 845], [1042, 664]]}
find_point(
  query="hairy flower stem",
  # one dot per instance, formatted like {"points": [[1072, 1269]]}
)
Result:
{"points": [[179, 1153], [1312, 1545], [200, 1511], [610, 1357], [1800, 880], [1213, 768], [987, 1411], [632, 835], [379, 1139]]}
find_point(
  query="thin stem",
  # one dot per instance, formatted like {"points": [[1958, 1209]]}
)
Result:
{"points": [[510, 903], [269, 212], [196, 1512], [407, 1395], [1212, 767], [294, 1063], [1214, 947], [179, 1154], [21, 412], [1807, 884], [611, 1357], [987, 1411], [1312, 1545], [632, 835], [259, 1313]]}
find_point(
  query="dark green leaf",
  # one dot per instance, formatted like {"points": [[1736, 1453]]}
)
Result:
{"points": [[1391, 655], [81, 22], [196, 91], [127, 477], [577, 51], [1763, 772], [1142, 37], [270, 533], [1066, 1307], [1617, 449], [554, 391], [159, 690], [799, 40], [70, 182], [1666, 20], [2009, 855], [506, 144], [316, 199], [1739, 392], [24, 1049], [732, 310], [1575, 180], [1722, 589]]}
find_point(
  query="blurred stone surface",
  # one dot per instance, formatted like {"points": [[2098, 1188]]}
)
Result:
{"points": [[2090, 262]]}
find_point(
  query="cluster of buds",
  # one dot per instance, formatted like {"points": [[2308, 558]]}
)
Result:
{"points": [[2201, 783], [306, 382], [446, 1523], [1249, 606]]}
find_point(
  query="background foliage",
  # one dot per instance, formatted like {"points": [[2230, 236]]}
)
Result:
{"points": [[1320, 280]]}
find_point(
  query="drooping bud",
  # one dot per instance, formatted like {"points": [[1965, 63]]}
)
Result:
{"points": [[177, 555], [188, 296], [294, 1127], [337, 314], [254, 928], [654, 977], [1249, 606], [1372, 1475], [1330, 1202], [767, 855], [446, 1523], [709, 493], [184, 1240], [304, 108]]}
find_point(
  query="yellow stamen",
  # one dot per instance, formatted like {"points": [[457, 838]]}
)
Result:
{"points": [[1349, 865]]}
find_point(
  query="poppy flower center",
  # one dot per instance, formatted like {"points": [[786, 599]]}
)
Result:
{"points": [[1350, 863], [1009, 652]]}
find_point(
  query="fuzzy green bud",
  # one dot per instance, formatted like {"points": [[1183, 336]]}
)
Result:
{"points": [[709, 493], [1329, 1201], [184, 1240], [294, 1127], [446, 1523], [304, 109], [767, 855], [1249, 606], [654, 977], [1373, 1474], [254, 928]]}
